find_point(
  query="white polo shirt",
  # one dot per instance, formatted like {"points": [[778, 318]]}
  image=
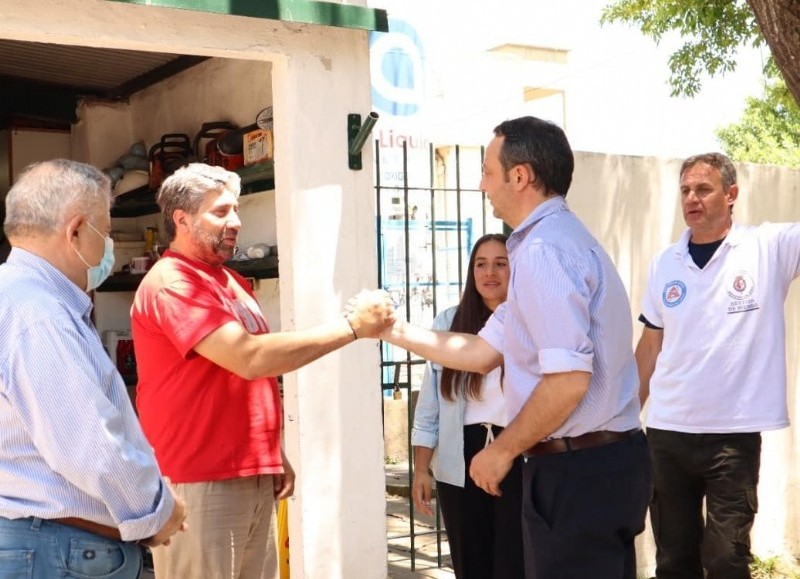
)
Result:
{"points": [[722, 367]]}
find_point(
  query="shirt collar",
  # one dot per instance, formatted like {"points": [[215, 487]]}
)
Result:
{"points": [[213, 270], [733, 238], [545, 209], [74, 297]]}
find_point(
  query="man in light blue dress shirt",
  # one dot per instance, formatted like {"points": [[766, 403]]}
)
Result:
{"points": [[565, 338], [80, 490]]}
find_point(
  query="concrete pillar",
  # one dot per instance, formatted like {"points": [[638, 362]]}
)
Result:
{"points": [[327, 241]]}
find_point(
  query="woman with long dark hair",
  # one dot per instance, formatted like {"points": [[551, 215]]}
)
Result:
{"points": [[457, 415]]}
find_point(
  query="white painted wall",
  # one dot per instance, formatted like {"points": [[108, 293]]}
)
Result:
{"points": [[29, 146], [326, 219], [325, 229]]}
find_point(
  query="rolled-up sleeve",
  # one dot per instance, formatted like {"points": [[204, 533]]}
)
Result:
{"points": [[148, 525], [493, 331], [556, 313], [426, 415]]}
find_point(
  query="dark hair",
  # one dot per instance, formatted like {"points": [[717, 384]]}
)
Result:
{"points": [[717, 160], [471, 315], [541, 145]]}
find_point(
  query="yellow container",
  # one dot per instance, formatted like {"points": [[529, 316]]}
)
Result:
{"points": [[283, 538]]}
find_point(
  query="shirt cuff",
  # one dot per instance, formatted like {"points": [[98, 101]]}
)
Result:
{"points": [[555, 361], [148, 525], [422, 438]]}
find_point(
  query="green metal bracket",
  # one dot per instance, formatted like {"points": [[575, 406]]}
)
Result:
{"points": [[353, 124], [306, 11], [357, 135]]}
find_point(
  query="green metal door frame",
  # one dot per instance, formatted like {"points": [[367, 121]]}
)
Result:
{"points": [[306, 11]]}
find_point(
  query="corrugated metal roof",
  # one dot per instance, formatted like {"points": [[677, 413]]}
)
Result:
{"points": [[43, 83], [84, 68]]}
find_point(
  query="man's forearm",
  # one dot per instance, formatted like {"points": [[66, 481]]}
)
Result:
{"points": [[647, 351], [287, 351], [555, 398], [455, 350]]}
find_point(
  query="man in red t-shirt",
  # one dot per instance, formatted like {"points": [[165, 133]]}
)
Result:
{"points": [[207, 397]]}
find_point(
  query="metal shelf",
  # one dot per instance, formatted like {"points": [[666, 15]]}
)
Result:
{"points": [[264, 268], [142, 200]]}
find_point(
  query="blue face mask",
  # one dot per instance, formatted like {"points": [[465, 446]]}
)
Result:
{"points": [[97, 274]]}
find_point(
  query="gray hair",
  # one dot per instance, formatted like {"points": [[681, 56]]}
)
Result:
{"points": [[45, 193], [717, 160], [186, 188]]}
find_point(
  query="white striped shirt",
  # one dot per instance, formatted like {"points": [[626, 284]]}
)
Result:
{"points": [[567, 310], [70, 442]]}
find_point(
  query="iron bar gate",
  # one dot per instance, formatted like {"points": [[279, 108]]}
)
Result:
{"points": [[427, 221]]}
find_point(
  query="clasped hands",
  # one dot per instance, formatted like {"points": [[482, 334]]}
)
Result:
{"points": [[370, 312]]}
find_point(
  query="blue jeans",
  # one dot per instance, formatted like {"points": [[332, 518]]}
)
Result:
{"points": [[35, 549]]}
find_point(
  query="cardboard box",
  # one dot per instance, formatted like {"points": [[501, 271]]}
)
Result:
{"points": [[258, 147]]}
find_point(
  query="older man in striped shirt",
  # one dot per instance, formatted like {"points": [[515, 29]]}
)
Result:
{"points": [[80, 490], [565, 337]]}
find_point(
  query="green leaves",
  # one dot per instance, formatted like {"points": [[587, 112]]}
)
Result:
{"points": [[712, 32], [769, 131]]}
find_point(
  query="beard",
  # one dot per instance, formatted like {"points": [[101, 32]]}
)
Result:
{"points": [[212, 245]]}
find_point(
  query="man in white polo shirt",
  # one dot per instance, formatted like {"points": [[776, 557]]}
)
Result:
{"points": [[712, 361]]}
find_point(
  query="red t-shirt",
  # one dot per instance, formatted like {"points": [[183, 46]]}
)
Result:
{"points": [[204, 422]]}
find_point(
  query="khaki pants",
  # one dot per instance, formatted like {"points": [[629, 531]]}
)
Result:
{"points": [[231, 532]]}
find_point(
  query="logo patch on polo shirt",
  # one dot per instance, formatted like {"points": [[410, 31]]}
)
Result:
{"points": [[673, 294], [740, 287]]}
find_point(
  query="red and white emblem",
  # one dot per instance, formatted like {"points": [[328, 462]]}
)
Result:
{"points": [[740, 285]]}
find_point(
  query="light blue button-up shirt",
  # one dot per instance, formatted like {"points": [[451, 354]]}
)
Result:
{"points": [[439, 423], [567, 310], [70, 442]]}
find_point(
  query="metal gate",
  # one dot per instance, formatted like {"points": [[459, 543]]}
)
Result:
{"points": [[429, 214]]}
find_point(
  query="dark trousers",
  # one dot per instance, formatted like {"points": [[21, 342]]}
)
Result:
{"points": [[723, 468], [582, 510], [484, 532]]}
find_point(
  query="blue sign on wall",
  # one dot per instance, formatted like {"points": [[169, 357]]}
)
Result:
{"points": [[397, 59]]}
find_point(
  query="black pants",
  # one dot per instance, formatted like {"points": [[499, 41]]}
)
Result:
{"points": [[723, 468], [484, 532], [582, 510]]}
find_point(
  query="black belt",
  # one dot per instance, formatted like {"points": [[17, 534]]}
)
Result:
{"points": [[588, 440]]}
